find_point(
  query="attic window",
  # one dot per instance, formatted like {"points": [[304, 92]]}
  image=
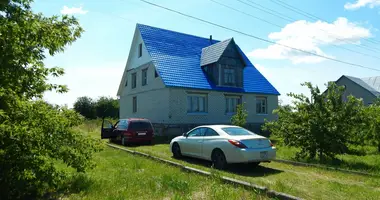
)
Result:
{"points": [[140, 50], [155, 74]]}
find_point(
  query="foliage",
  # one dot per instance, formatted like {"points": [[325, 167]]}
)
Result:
{"points": [[240, 118], [86, 107], [35, 136], [107, 107], [372, 127], [103, 107], [322, 125]]}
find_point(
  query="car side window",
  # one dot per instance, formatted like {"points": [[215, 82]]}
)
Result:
{"points": [[123, 124], [211, 132], [197, 132]]}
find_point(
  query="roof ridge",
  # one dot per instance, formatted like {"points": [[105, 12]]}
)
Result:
{"points": [[138, 24]]}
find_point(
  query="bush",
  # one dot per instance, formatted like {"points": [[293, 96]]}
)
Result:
{"points": [[240, 118], [323, 125]]}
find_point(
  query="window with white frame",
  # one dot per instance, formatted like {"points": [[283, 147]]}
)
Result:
{"points": [[231, 103], [144, 77], [261, 105], [197, 103]]}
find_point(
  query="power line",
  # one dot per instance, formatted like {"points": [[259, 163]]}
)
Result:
{"points": [[311, 16], [255, 37], [273, 24], [342, 40]]}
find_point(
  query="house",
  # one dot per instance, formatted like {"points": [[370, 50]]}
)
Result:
{"points": [[179, 81], [367, 89]]}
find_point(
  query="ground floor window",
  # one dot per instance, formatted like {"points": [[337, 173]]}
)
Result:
{"points": [[134, 104], [196, 103], [261, 105], [231, 103]]}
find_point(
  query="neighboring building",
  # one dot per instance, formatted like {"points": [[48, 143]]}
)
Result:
{"points": [[179, 81], [367, 89]]}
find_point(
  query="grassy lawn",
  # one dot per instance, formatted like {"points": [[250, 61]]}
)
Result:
{"points": [[304, 182], [120, 175], [370, 162]]}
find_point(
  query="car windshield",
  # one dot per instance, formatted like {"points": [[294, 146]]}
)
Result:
{"points": [[236, 131]]}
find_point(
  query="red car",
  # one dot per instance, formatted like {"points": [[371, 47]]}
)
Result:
{"points": [[132, 130]]}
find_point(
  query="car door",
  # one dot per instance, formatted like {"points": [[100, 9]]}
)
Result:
{"points": [[108, 130], [192, 144], [211, 140]]}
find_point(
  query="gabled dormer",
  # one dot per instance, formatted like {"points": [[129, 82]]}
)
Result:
{"points": [[223, 64]]}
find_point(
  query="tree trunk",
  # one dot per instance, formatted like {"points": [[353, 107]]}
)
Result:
{"points": [[378, 147]]}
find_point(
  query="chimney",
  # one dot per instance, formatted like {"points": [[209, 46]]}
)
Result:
{"points": [[211, 39]]}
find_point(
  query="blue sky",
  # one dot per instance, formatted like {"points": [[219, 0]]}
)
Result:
{"points": [[94, 64]]}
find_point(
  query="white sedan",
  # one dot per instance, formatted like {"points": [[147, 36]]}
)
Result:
{"points": [[223, 144]]}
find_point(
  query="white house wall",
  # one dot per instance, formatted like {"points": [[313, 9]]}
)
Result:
{"points": [[216, 108], [152, 99]]}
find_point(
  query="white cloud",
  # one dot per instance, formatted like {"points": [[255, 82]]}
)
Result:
{"points": [[73, 10], [310, 36], [361, 3]]}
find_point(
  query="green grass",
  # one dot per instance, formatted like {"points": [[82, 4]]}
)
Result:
{"points": [[364, 159], [120, 175], [304, 182]]}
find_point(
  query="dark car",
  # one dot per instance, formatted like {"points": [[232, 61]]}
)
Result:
{"points": [[131, 130]]}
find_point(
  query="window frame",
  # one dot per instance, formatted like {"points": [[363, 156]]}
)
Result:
{"points": [[134, 104], [134, 80], [265, 105], [198, 96], [227, 103], [144, 77], [140, 50]]}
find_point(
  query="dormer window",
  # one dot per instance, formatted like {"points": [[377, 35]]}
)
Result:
{"points": [[229, 75], [223, 64]]}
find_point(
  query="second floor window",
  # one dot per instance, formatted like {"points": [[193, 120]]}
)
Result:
{"points": [[140, 50], [144, 77], [134, 80], [229, 76]]}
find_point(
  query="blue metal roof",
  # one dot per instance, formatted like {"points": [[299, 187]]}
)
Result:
{"points": [[177, 58]]}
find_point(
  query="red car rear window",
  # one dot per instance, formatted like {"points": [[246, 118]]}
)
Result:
{"points": [[140, 125]]}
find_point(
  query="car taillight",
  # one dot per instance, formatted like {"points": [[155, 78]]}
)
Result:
{"points": [[271, 144], [127, 133], [237, 144]]}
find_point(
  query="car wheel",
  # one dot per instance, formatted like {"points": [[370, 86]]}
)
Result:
{"points": [[176, 150], [218, 159]]}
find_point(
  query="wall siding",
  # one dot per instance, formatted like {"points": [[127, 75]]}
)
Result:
{"points": [[356, 90], [216, 108], [152, 99]]}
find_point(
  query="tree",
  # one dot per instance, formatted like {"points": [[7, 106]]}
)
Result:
{"points": [[107, 107], [240, 118], [34, 135], [372, 125], [86, 107], [321, 125]]}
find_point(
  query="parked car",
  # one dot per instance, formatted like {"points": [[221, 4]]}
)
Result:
{"points": [[223, 144], [131, 130]]}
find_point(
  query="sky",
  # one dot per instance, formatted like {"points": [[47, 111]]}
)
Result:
{"points": [[344, 30]]}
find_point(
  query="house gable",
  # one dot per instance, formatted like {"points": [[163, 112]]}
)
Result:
{"points": [[138, 57], [227, 69], [355, 87]]}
